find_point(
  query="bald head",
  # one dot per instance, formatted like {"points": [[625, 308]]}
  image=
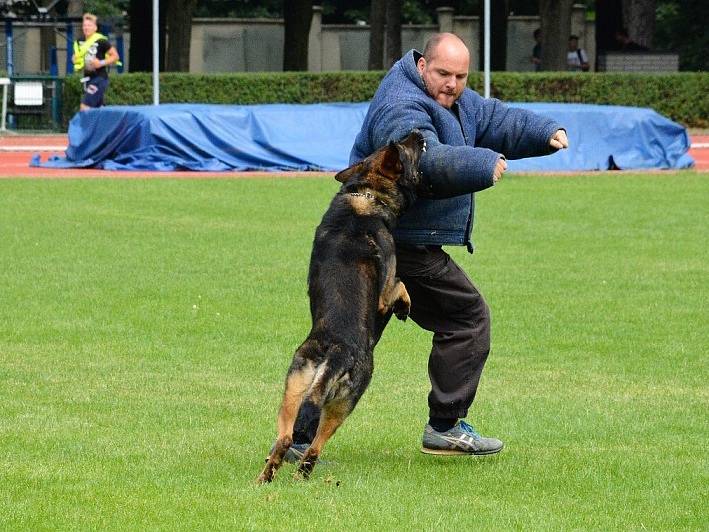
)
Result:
{"points": [[444, 68], [446, 44]]}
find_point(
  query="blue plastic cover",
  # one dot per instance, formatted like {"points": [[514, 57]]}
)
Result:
{"points": [[602, 137], [282, 137]]}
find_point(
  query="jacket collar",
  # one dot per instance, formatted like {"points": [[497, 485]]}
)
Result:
{"points": [[408, 65]]}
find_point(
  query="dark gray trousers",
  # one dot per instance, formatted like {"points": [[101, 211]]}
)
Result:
{"points": [[445, 302]]}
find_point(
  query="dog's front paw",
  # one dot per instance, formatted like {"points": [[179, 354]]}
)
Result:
{"points": [[402, 309], [265, 477]]}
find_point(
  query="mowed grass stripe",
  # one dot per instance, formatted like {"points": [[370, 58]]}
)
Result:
{"points": [[146, 327]]}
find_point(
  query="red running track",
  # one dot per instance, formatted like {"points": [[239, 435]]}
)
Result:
{"points": [[17, 150]]}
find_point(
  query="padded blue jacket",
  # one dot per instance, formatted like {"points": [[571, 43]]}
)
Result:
{"points": [[461, 154]]}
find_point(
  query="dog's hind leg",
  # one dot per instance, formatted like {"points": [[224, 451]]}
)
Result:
{"points": [[333, 415], [300, 377]]}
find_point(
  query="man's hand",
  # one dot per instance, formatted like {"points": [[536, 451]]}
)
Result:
{"points": [[96, 64], [559, 140], [500, 167]]}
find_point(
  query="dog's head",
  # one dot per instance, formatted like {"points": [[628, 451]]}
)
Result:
{"points": [[391, 171]]}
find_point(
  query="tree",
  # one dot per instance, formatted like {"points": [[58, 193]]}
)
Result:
{"points": [[377, 21], [681, 28], [500, 11], [179, 27], [639, 20], [609, 19], [393, 32], [556, 27], [140, 13], [102, 8], [297, 15]]}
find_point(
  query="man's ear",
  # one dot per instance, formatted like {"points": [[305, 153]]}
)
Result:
{"points": [[347, 173], [421, 65], [391, 165]]}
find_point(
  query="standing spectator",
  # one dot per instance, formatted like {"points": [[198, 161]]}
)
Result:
{"points": [[537, 50], [93, 54], [576, 58]]}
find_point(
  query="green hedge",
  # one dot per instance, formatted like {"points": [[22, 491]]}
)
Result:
{"points": [[680, 96]]}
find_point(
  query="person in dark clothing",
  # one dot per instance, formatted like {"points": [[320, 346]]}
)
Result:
{"points": [[626, 44], [94, 54], [537, 50], [468, 140]]}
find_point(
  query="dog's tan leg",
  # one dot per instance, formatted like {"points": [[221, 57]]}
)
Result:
{"points": [[402, 301], [332, 416], [397, 298], [389, 285], [296, 385]]}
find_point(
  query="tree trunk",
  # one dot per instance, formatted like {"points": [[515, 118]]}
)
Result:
{"points": [[75, 8], [377, 18], [393, 32], [609, 19], [179, 26], [140, 13], [556, 27], [499, 12], [639, 20], [46, 42], [297, 15]]}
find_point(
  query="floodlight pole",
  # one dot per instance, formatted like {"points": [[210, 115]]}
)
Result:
{"points": [[156, 53], [486, 51]]}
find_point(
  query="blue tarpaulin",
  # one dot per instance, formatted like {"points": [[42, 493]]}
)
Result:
{"points": [[282, 137]]}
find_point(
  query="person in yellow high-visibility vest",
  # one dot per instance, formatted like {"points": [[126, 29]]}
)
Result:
{"points": [[93, 55]]}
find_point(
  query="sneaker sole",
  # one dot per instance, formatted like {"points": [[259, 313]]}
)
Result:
{"points": [[453, 452]]}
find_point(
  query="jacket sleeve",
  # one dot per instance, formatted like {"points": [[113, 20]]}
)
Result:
{"points": [[447, 171], [516, 133]]}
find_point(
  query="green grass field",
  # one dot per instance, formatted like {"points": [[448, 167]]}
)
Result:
{"points": [[146, 327]]}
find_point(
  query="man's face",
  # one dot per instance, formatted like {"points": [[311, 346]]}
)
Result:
{"points": [[573, 44], [446, 74], [88, 27]]}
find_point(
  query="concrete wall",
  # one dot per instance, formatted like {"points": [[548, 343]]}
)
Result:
{"points": [[251, 45], [638, 62], [26, 57], [220, 45], [236, 45]]}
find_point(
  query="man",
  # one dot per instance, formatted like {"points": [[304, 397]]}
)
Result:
{"points": [[537, 50], [93, 54], [626, 44], [468, 138], [576, 58]]}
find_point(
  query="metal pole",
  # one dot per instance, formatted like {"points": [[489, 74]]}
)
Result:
{"points": [[4, 82], [9, 52], [487, 49], [10, 68], [156, 53], [69, 47]]}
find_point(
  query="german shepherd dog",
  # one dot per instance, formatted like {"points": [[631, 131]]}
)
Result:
{"points": [[353, 291]]}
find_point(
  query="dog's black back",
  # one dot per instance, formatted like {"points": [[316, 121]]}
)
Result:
{"points": [[353, 291]]}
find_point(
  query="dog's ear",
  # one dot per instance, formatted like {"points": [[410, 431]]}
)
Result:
{"points": [[391, 165], [348, 173]]}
